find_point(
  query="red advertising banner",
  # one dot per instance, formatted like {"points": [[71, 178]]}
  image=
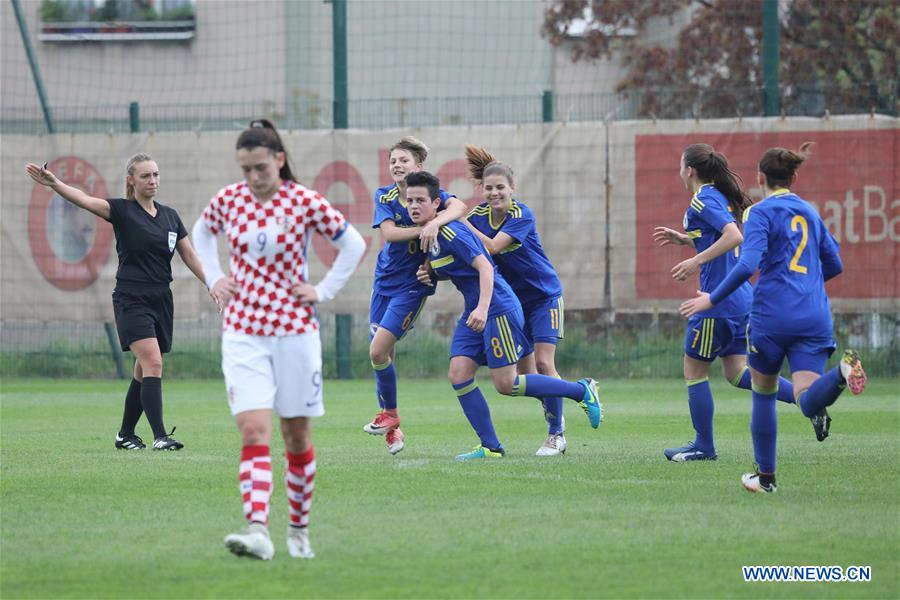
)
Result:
{"points": [[852, 177]]}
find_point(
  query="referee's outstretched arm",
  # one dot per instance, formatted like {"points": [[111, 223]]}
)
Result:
{"points": [[41, 175]]}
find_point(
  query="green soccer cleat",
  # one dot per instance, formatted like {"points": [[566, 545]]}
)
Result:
{"points": [[590, 404], [482, 452]]}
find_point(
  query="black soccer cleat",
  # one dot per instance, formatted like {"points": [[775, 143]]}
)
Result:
{"points": [[129, 442], [821, 423], [167, 442]]}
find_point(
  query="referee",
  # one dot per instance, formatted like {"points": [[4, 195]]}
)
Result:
{"points": [[147, 235]]}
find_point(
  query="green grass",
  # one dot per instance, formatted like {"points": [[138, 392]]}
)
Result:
{"points": [[610, 519]]}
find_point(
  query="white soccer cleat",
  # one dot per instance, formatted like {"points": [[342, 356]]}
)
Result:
{"points": [[298, 543], [554, 445], [751, 483], [252, 541]]}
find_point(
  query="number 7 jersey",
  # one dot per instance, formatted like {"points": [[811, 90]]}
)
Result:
{"points": [[789, 296]]}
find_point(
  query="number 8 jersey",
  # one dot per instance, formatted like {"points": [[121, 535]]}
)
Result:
{"points": [[268, 244], [789, 296]]}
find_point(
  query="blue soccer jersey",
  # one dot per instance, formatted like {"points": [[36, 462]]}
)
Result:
{"points": [[523, 263], [395, 270], [704, 221], [789, 296], [451, 258]]}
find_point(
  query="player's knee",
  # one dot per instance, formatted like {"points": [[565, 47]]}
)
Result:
{"points": [[151, 366], [546, 367], [253, 433], [504, 385]]}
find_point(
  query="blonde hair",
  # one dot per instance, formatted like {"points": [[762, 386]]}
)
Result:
{"points": [[129, 170], [414, 146], [482, 163]]}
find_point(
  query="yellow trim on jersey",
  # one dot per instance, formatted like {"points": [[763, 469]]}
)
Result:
{"points": [[448, 233], [694, 233], [480, 210], [779, 192], [441, 262], [511, 248], [746, 214], [697, 204], [389, 196]]}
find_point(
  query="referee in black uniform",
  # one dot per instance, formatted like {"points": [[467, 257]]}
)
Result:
{"points": [[147, 235]]}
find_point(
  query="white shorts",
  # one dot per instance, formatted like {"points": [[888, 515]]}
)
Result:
{"points": [[266, 372]]}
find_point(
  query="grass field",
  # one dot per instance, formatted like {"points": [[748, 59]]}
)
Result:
{"points": [[612, 518]]}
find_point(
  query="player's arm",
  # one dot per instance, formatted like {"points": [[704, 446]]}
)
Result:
{"points": [[730, 239], [391, 232], [494, 245], [665, 237], [41, 175], [832, 266], [221, 288], [478, 317], [745, 267], [454, 210], [350, 246]]}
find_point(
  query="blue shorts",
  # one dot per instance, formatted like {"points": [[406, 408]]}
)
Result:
{"points": [[397, 315], [804, 353], [545, 320], [502, 342], [708, 337]]}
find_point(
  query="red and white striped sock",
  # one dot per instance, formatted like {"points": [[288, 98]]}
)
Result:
{"points": [[299, 480], [256, 482]]}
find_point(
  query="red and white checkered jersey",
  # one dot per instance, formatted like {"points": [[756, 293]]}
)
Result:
{"points": [[268, 244]]}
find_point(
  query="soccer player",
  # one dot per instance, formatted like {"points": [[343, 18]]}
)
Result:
{"points": [[397, 296], [490, 330], [710, 227], [271, 351], [508, 231], [147, 235], [791, 316]]}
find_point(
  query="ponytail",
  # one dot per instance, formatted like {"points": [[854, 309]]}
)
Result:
{"points": [[482, 163], [779, 165], [712, 167], [262, 134]]}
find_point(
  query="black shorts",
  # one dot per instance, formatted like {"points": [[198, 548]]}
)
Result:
{"points": [[144, 314]]}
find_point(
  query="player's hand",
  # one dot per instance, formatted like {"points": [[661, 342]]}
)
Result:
{"points": [[40, 174], [685, 269], [424, 275], [428, 236], [665, 236], [477, 319], [305, 293], [691, 307], [222, 292]]}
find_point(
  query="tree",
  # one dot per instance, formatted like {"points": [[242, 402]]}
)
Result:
{"points": [[835, 55]]}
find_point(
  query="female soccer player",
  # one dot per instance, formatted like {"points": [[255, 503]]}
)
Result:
{"points": [[147, 235], [271, 352], [791, 315], [491, 328], [710, 227], [507, 229], [397, 296]]}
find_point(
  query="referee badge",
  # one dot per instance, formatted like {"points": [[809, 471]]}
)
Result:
{"points": [[173, 237]]}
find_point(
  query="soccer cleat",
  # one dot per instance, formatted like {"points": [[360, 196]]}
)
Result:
{"points": [[129, 442], [252, 541], [167, 442], [852, 372], [298, 543], [554, 445], [394, 440], [482, 452], [590, 404], [689, 452], [751, 483], [821, 423], [381, 424]]}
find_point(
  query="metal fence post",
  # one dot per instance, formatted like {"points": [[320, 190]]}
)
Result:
{"points": [[343, 325]]}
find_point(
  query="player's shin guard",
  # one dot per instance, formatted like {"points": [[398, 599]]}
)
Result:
{"points": [[700, 402], [544, 386], [299, 479], [477, 412], [386, 383], [256, 482], [553, 412], [764, 429], [785, 387], [822, 393]]}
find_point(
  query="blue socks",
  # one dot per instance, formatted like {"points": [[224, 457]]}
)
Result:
{"points": [[764, 429], [823, 392], [477, 412], [544, 386], [386, 384], [553, 412], [785, 387], [700, 401]]}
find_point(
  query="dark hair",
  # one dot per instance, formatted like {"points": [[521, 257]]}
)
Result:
{"points": [[712, 167], [482, 163], [414, 146], [779, 165], [262, 134], [426, 180]]}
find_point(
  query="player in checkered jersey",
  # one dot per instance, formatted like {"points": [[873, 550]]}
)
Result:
{"points": [[271, 352]]}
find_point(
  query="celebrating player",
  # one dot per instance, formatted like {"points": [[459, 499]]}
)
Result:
{"points": [[397, 296], [710, 227], [791, 315], [271, 351], [490, 330], [507, 229], [147, 235]]}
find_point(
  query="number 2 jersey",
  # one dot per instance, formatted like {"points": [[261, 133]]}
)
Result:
{"points": [[267, 254], [789, 296]]}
